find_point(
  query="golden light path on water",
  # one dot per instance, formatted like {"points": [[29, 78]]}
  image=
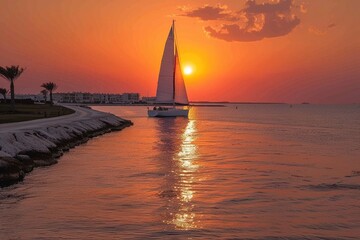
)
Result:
{"points": [[184, 218]]}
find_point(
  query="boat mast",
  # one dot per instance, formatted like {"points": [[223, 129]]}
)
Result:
{"points": [[173, 28]]}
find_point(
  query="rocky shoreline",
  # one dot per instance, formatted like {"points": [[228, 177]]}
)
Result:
{"points": [[21, 151]]}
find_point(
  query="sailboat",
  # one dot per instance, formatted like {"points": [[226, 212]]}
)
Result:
{"points": [[171, 86]]}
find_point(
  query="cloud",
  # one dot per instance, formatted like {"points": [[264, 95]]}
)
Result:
{"points": [[207, 12], [253, 23], [281, 6]]}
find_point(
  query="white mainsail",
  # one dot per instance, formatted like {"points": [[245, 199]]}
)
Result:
{"points": [[171, 86]]}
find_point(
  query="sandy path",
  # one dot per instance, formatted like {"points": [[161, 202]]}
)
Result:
{"points": [[79, 115]]}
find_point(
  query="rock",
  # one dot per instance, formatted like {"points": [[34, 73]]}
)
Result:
{"points": [[27, 163], [36, 154], [45, 162], [4, 154], [58, 154], [10, 171], [22, 157]]}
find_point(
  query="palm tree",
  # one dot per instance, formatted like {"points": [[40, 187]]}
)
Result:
{"points": [[4, 91], [50, 86], [11, 73], [44, 93]]}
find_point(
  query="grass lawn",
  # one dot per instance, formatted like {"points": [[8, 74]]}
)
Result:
{"points": [[25, 112]]}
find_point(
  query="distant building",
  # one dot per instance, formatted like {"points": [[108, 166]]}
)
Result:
{"points": [[149, 100], [85, 97], [57, 97], [80, 97], [115, 98], [130, 97]]}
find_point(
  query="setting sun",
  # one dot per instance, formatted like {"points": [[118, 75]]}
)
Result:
{"points": [[188, 70]]}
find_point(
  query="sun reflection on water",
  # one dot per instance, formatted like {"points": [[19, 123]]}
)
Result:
{"points": [[180, 177], [185, 217]]}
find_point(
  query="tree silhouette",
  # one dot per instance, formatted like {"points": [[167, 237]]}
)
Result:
{"points": [[11, 73], [44, 93], [50, 86], [4, 91]]}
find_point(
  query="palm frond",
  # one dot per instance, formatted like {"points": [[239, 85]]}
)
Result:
{"points": [[12, 72], [3, 91], [50, 86]]}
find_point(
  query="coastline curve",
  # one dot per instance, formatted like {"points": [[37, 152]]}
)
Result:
{"points": [[35, 143]]}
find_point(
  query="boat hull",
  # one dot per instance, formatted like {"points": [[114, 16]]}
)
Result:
{"points": [[170, 112]]}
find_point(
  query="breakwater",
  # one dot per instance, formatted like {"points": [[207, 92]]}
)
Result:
{"points": [[21, 150]]}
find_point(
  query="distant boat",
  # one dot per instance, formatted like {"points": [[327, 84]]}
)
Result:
{"points": [[171, 86]]}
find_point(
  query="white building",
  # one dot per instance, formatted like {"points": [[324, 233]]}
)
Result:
{"points": [[80, 97], [130, 97], [85, 97], [149, 100]]}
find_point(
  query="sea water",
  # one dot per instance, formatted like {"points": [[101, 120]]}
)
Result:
{"points": [[233, 172]]}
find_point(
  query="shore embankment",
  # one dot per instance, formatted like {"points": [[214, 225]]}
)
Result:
{"points": [[37, 143]]}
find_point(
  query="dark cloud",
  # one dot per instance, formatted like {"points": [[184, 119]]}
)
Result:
{"points": [[208, 12], [233, 32], [253, 23], [331, 25], [281, 7]]}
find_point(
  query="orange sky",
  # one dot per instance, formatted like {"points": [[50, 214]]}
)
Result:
{"points": [[298, 50]]}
